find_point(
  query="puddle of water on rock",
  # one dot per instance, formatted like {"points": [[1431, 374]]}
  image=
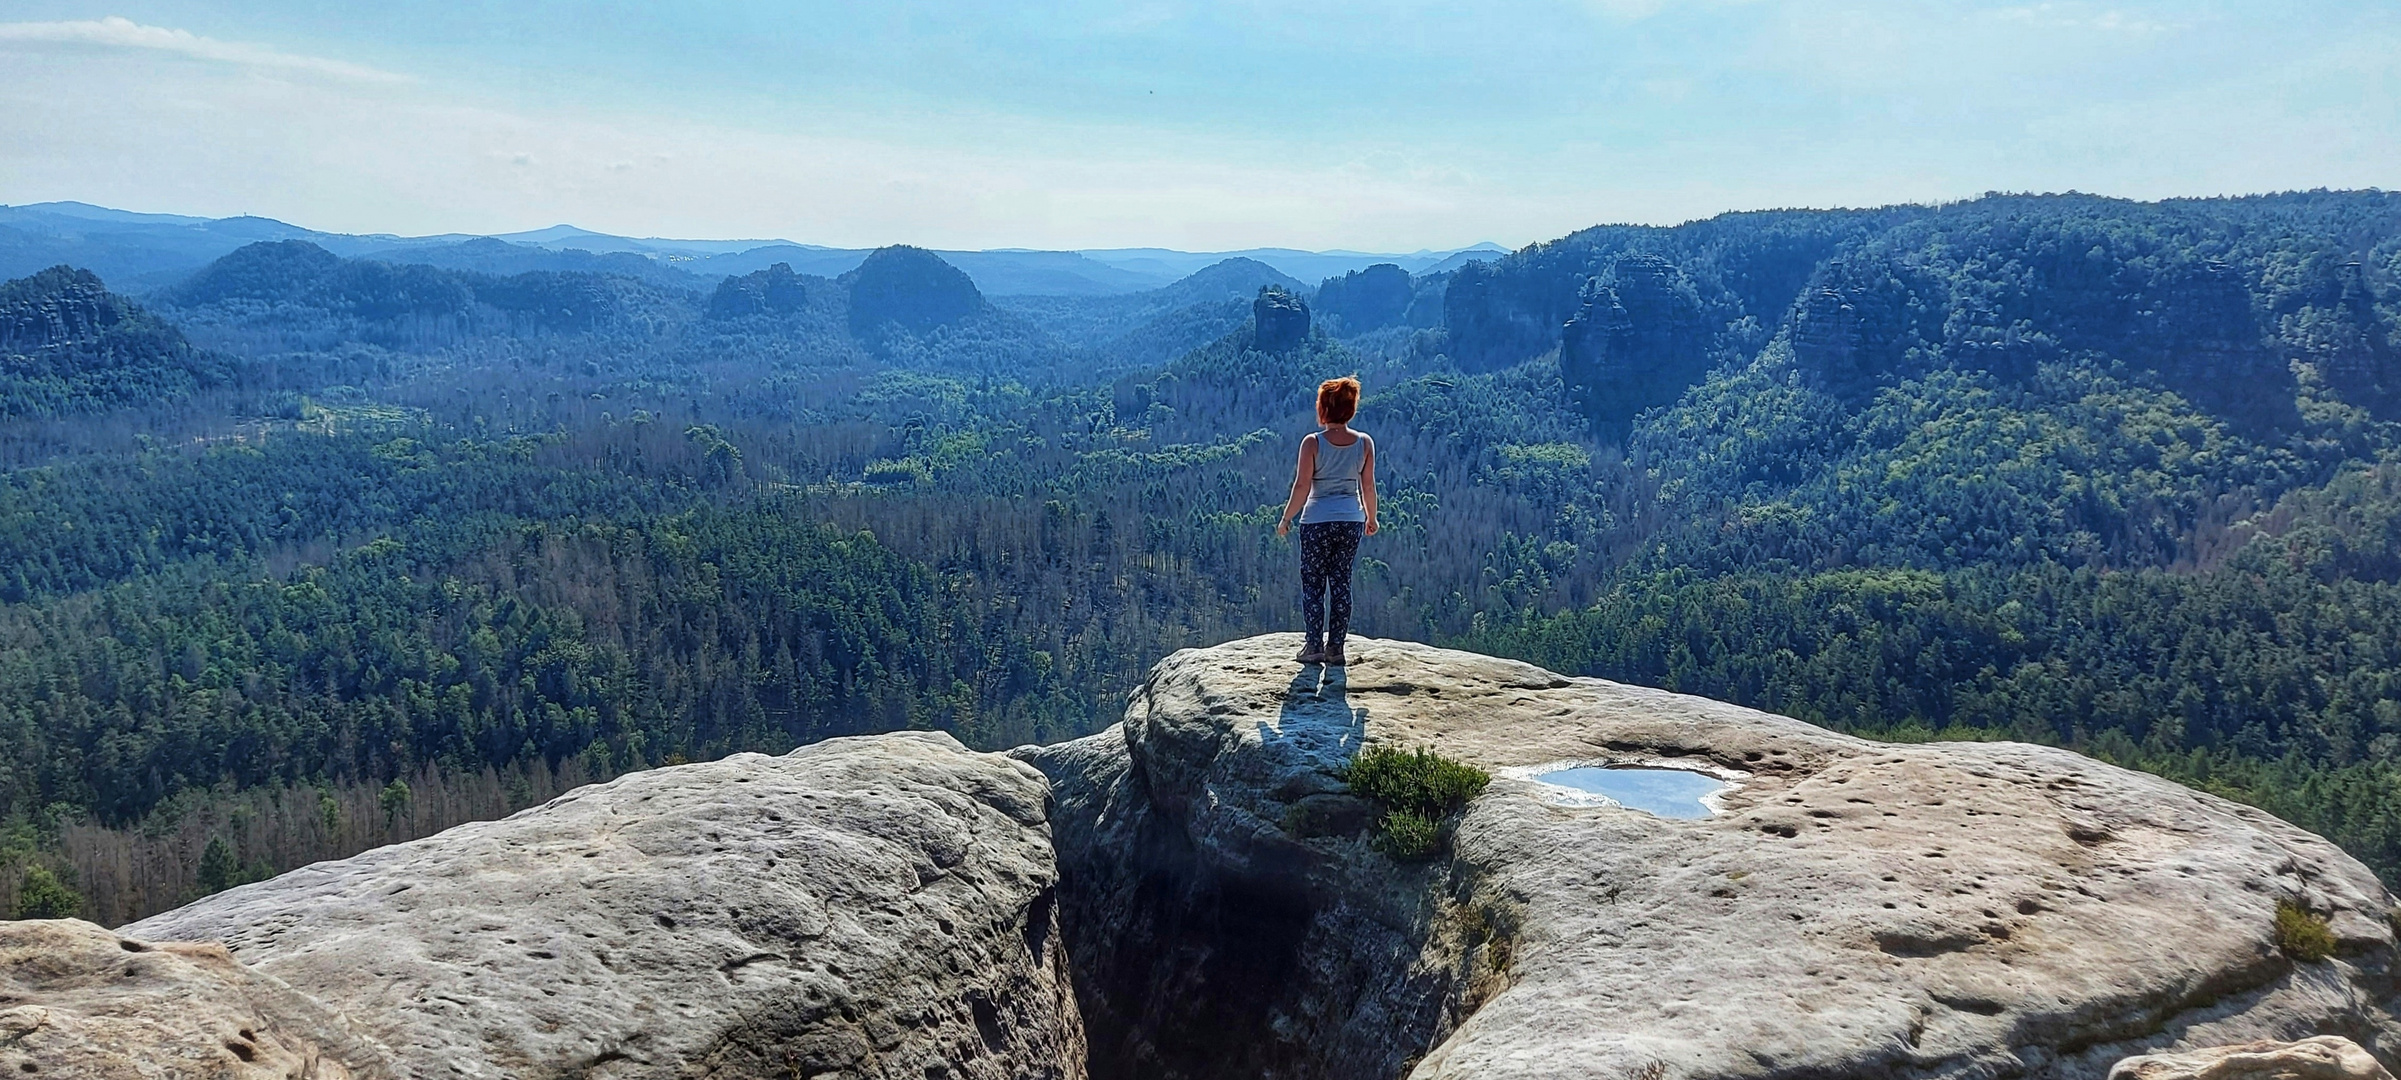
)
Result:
{"points": [[1668, 793]]}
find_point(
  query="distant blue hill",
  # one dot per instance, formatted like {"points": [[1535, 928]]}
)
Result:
{"points": [[141, 252]]}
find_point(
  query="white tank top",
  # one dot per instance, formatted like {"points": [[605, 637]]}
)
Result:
{"points": [[1334, 486]]}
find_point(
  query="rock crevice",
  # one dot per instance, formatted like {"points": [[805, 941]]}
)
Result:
{"points": [[1194, 894], [1858, 909]]}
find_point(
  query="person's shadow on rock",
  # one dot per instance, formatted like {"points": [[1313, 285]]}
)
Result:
{"points": [[1317, 719]]}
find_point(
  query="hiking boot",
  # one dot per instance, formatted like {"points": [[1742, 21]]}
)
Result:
{"points": [[1311, 654], [1333, 657]]}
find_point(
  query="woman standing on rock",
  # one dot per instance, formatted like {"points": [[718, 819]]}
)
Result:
{"points": [[1334, 492]]}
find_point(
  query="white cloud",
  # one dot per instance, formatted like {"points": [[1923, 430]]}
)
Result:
{"points": [[118, 32], [1873, 103]]}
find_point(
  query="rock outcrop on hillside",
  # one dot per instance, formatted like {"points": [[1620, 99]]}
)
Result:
{"points": [[865, 907], [68, 345], [1279, 320], [78, 1001], [775, 290], [1637, 342], [1858, 909]]}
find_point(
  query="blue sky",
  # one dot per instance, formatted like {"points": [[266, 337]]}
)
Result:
{"points": [[1393, 125]]}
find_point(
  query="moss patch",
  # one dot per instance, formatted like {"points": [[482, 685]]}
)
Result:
{"points": [[2303, 936]]}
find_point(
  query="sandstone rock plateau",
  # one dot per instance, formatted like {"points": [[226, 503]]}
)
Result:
{"points": [[78, 1001], [867, 907], [1195, 894], [1858, 909], [2326, 1057]]}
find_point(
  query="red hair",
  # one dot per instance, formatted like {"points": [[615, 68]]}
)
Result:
{"points": [[1337, 400]]}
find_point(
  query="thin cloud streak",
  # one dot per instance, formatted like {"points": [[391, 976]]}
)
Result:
{"points": [[118, 32]]}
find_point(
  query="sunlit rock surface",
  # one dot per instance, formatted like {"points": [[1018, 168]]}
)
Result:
{"points": [[2326, 1057], [1859, 909], [77, 1001], [865, 907]]}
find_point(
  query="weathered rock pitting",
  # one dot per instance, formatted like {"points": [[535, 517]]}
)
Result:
{"points": [[1860, 910], [868, 907], [77, 1001], [1194, 895]]}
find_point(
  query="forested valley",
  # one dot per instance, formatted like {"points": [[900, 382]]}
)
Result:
{"points": [[302, 554]]}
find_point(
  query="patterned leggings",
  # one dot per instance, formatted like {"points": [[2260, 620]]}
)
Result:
{"points": [[1327, 549]]}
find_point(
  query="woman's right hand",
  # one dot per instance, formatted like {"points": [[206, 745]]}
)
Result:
{"points": [[1284, 527]]}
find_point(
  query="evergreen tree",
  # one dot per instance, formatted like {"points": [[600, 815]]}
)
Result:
{"points": [[40, 895]]}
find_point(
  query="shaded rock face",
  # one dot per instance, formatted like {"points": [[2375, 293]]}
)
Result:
{"points": [[2201, 335], [1369, 299], [2344, 336], [775, 290], [1279, 321], [909, 288], [79, 1001], [1638, 341], [866, 907], [58, 308], [1862, 325], [2326, 1057], [1859, 909]]}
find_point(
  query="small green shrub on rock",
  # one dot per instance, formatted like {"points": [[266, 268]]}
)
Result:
{"points": [[1408, 836], [2302, 935], [1418, 789]]}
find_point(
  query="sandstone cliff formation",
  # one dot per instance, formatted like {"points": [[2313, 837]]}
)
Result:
{"points": [[1197, 894], [1637, 342], [69, 345], [775, 290], [1858, 909], [865, 907], [1279, 320]]}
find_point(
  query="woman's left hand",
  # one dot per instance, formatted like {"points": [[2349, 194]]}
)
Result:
{"points": [[1371, 526]]}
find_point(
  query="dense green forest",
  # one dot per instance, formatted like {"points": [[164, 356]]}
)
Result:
{"points": [[2118, 476]]}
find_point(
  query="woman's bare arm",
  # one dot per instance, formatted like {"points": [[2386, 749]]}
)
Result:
{"points": [[1301, 472], [1367, 484]]}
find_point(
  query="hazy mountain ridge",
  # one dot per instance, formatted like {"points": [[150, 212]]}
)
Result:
{"points": [[293, 294], [141, 252]]}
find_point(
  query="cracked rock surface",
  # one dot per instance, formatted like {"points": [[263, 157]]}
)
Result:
{"points": [[1859, 909], [864, 907]]}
